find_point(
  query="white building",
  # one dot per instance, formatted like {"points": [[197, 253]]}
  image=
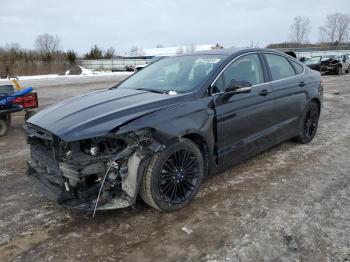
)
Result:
{"points": [[175, 50]]}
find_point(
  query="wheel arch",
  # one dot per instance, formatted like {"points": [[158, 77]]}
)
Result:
{"points": [[318, 102], [199, 141]]}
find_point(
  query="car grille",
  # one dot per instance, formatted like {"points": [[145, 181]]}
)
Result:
{"points": [[39, 136]]}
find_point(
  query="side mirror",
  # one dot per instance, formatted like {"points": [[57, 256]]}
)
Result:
{"points": [[236, 87]]}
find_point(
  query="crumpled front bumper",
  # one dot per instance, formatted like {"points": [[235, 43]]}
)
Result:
{"points": [[328, 69], [53, 189], [57, 190], [112, 179]]}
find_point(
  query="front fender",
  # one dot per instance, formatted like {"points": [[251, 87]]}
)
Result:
{"points": [[178, 120]]}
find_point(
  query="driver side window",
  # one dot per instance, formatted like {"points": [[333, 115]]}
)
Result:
{"points": [[247, 67]]}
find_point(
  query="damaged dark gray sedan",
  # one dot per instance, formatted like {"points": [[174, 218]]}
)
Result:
{"points": [[159, 132]]}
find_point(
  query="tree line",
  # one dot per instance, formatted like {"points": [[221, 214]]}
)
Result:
{"points": [[334, 32], [48, 50]]}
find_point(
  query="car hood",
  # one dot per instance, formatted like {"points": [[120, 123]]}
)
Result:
{"points": [[95, 114], [331, 59]]}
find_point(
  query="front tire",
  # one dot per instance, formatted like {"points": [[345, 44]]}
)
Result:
{"points": [[173, 176], [308, 124]]}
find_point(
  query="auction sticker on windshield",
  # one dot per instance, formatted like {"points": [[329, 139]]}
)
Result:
{"points": [[208, 60]]}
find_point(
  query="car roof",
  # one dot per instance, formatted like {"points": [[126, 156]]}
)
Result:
{"points": [[231, 51]]}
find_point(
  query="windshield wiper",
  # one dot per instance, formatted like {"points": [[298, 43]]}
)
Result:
{"points": [[151, 90]]}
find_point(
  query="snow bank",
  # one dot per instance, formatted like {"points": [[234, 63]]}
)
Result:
{"points": [[85, 73]]}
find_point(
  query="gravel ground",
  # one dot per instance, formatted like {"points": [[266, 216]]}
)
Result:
{"points": [[291, 203]]}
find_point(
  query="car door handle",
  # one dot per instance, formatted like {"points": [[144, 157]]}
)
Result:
{"points": [[301, 84], [264, 92]]}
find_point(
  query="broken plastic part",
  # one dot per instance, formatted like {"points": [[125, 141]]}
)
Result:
{"points": [[129, 182]]}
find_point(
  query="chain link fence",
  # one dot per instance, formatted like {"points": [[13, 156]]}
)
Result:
{"points": [[115, 64]]}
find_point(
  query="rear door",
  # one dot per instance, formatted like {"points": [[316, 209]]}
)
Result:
{"points": [[244, 118], [288, 85]]}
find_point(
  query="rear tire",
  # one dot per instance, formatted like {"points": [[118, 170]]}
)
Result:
{"points": [[3, 127], [308, 124], [347, 70], [173, 176]]}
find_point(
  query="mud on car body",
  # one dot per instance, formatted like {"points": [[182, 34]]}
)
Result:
{"points": [[159, 132]]}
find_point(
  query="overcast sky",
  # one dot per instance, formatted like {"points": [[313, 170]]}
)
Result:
{"points": [[146, 23]]}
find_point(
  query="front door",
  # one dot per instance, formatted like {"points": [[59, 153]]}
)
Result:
{"points": [[243, 119]]}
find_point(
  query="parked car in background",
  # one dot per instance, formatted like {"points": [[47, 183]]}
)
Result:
{"points": [[153, 60], [129, 68], [160, 131], [329, 64], [303, 58]]}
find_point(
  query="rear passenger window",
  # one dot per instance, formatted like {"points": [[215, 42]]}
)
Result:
{"points": [[299, 69], [279, 66]]}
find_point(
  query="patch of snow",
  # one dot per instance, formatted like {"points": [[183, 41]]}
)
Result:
{"points": [[172, 93], [4, 172], [4, 239], [187, 230], [56, 76], [34, 77], [67, 72], [85, 71]]}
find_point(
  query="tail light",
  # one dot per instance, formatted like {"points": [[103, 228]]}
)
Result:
{"points": [[27, 101]]}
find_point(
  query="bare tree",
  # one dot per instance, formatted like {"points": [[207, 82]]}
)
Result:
{"points": [[12, 46], [71, 57], [94, 53], [343, 28], [141, 52], [134, 51], [191, 48], [109, 54], [180, 51], [300, 29], [336, 28], [47, 45]]}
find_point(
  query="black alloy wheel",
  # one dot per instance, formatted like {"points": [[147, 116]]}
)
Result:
{"points": [[308, 124], [178, 177], [173, 176]]}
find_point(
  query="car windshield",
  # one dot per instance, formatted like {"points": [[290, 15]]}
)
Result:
{"points": [[313, 60], [178, 74]]}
